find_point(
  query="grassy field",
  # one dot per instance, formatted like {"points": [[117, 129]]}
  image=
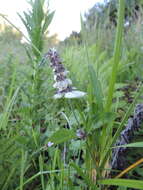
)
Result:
{"points": [[90, 138]]}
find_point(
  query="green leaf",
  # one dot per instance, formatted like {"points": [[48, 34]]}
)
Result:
{"points": [[84, 176], [137, 144], [25, 22], [96, 85], [117, 53], [123, 182], [38, 13], [61, 136], [48, 20], [122, 124], [8, 108]]}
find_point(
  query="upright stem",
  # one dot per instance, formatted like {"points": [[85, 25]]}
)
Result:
{"points": [[117, 53]]}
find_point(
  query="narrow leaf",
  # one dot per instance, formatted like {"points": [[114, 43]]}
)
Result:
{"points": [[47, 22], [84, 176], [96, 86], [123, 182], [136, 144], [62, 135]]}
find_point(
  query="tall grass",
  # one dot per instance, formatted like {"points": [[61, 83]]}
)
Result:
{"points": [[31, 118]]}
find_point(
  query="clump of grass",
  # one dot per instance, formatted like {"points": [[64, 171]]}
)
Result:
{"points": [[65, 143]]}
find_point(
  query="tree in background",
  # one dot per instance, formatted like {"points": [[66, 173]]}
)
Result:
{"points": [[100, 11], [103, 17]]}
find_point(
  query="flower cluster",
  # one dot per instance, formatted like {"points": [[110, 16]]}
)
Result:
{"points": [[62, 83], [134, 124]]}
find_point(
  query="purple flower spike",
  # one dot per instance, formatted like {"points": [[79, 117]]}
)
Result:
{"points": [[62, 83]]}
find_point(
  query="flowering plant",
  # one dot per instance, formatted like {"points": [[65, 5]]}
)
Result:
{"points": [[62, 83]]}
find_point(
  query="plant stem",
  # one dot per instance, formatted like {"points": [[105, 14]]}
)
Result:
{"points": [[24, 36], [72, 109], [117, 53], [130, 167], [120, 128]]}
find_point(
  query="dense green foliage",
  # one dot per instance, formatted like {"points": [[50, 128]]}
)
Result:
{"points": [[106, 63]]}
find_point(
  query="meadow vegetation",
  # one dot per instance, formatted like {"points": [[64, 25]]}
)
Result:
{"points": [[70, 143]]}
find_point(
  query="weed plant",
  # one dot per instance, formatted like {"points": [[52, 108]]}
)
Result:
{"points": [[66, 144]]}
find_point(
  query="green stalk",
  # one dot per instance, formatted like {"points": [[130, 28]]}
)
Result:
{"points": [[41, 170], [117, 53], [24, 36], [120, 128], [22, 170]]}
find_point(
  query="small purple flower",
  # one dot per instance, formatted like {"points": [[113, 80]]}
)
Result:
{"points": [[80, 134], [49, 144]]}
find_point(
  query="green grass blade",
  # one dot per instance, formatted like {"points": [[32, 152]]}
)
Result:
{"points": [[96, 87], [117, 53], [41, 170], [123, 182], [133, 145], [84, 176], [125, 118], [5, 186], [8, 109]]}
